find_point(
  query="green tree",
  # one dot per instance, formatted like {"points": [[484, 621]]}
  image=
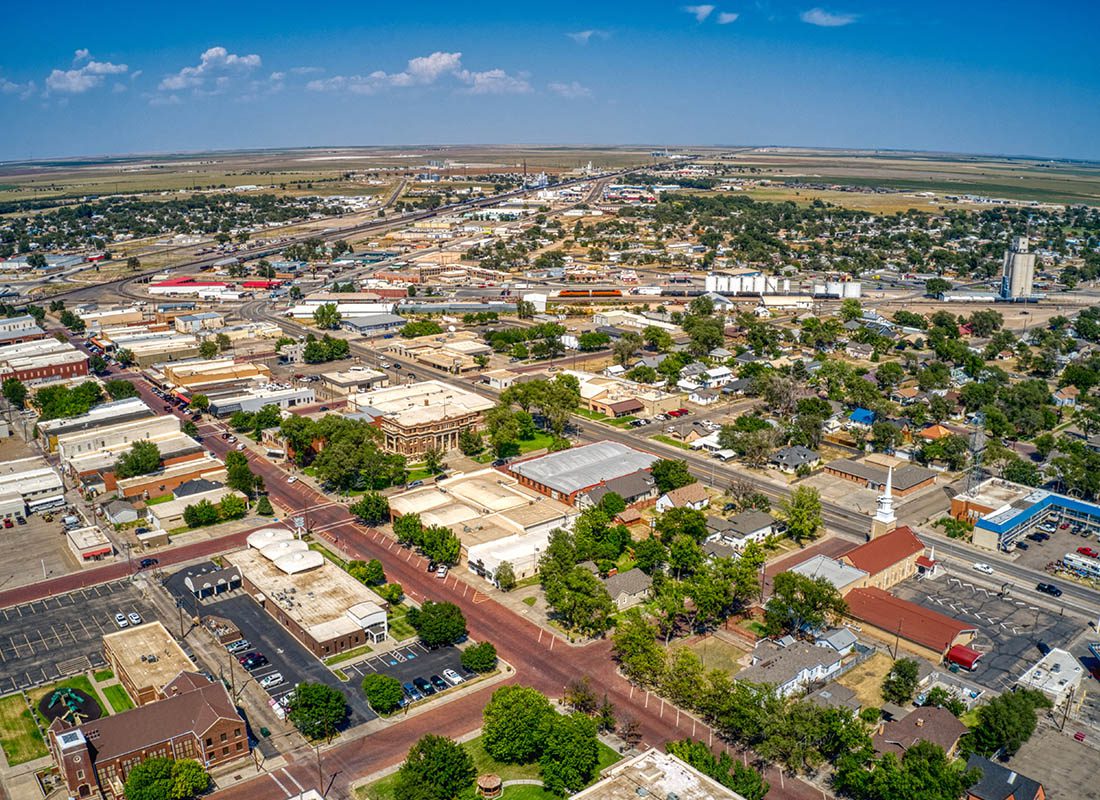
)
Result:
{"points": [[436, 768], [232, 506], [1006, 722], [923, 771], [119, 390], [650, 555], [223, 341], [570, 754], [580, 600], [384, 692], [470, 442], [408, 529], [671, 474], [626, 347], [802, 513], [901, 681], [505, 576], [433, 461], [317, 710], [239, 474], [440, 544], [732, 774], [200, 403], [936, 286], [326, 317], [422, 327], [392, 593], [97, 364], [799, 602], [15, 392], [166, 779], [208, 348], [515, 724], [689, 522], [850, 309], [189, 428], [201, 513], [124, 357], [634, 644], [481, 657], [263, 507], [373, 508], [437, 624], [141, 459]]}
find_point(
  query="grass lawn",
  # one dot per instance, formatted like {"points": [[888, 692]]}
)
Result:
{"points": [[335, 559], [19, 734], [669, 440], [399, 628], [484, 763], [593, 415], [104, 675], [530, 600], [117, 697], [866, 679], [718, 653], [80, 682], [418, 474], [164, 498], [622, 422], [353, 653]]}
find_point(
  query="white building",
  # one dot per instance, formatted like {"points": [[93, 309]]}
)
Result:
{"points": [[265, 395], [28, 485], [1058, 675]]}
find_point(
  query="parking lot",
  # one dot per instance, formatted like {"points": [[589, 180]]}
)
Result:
{"points": [[35, 551], [60, 636], [284, 653], [1039, 554], [407, 663], [1009, 629]]}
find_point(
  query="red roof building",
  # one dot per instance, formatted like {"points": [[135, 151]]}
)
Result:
{"points": [[888, 559], [915, 627], [964, 656], [261, 284]]}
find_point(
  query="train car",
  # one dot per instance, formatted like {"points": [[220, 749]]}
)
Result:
{"points": [[1083, 565], [590, 293]]}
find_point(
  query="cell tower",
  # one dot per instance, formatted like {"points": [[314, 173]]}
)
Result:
{"points": [[977, 448]]}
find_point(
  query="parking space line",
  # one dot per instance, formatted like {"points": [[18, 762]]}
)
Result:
{"points": [[29, 645], [293, 780], [42, 637]]}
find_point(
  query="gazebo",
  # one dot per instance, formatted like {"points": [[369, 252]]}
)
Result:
{"points": [[490, 786]]}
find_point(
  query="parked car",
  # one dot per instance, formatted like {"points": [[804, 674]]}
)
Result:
{"points": [[292, 479], [1049, 588], [255, 662], [1088, 551], [424, 687], [441, 572], [983, 568], [414, 484], [247, 656], [8, 523], [439, 684], [238, 646], [452, 677], [134, 617], [412, 692], [240, 446], [20, 521], [272, 680], [120, 620], [1022, 545]]}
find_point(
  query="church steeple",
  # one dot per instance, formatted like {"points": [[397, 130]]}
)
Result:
{"points": [[885, 520]]}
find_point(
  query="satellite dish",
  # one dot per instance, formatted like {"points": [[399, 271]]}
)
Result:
{"points": [[450, 328]]}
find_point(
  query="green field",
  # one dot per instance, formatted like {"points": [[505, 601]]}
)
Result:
{"points": [[118, 698], [398, 627], [19, 736], [483, 764], [104, 675]]}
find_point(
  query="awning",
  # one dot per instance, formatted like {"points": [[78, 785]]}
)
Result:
{"points": [[103, 551], [925, 562], [964, 656]]}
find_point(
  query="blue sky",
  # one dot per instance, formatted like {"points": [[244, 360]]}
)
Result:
{"points": [[86, 78]]}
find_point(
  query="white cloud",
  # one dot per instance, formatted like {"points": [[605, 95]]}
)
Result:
{"points": [[165, 100], [726, 17], [699, 12], [137, 73], [306, 70], [217, 65], [493, 81], [24, 90], [826, 19], [82, 79], [584, 37], [81, 55], [119, 88], [570, 91], [426, 71]]}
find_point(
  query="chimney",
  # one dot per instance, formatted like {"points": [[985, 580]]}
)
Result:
{"points": [[1011, 777], [920, 722]]}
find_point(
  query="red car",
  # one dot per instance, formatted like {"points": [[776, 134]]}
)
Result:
{"points": [[679, 412], [1088, 551]]}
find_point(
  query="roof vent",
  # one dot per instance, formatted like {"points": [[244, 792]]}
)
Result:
{"points": [[641, 791]]}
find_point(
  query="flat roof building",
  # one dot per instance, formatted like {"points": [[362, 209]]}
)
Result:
{"points": [[1003, 512], [567, 473], [1058, 675], [658, 775], [354, 380], [907, 478], [255, 398], [421, 416], [89, 544], [15, 330], [325, 609], [146, 659], [197, 374], [106, 414], [32, 482], [168, 477], [40, 360], [841, 575]]}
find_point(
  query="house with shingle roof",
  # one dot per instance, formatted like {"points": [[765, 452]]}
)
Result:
{"points": [[694, 495]]}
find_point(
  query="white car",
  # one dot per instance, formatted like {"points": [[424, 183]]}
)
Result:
{"points": [[240, 446], [441, 572], [452, 677], [134, 617], [292, 479], [120, 620], [272, 680], [983, 568]]}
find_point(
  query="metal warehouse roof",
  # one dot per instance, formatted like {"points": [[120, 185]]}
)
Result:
{"points": [[578, 468]]}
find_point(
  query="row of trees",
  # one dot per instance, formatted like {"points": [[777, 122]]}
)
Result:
{"points": [[204, 512], [345, 453], [436, 542]]}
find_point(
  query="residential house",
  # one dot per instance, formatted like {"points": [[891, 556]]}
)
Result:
{"points": [[998, 782], [635, 487], [834, 695], [861, 418], [925, 724], [704, 397], [862, 352], [740, 529], [694, 495], [842, 640], [789, 665], [119, 512], [907, 395], [628, 588], [1066, 397], [791, 459]]}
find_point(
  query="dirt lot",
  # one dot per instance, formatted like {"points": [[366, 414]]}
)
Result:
{"points": [[866, 679], [720, 653]]}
